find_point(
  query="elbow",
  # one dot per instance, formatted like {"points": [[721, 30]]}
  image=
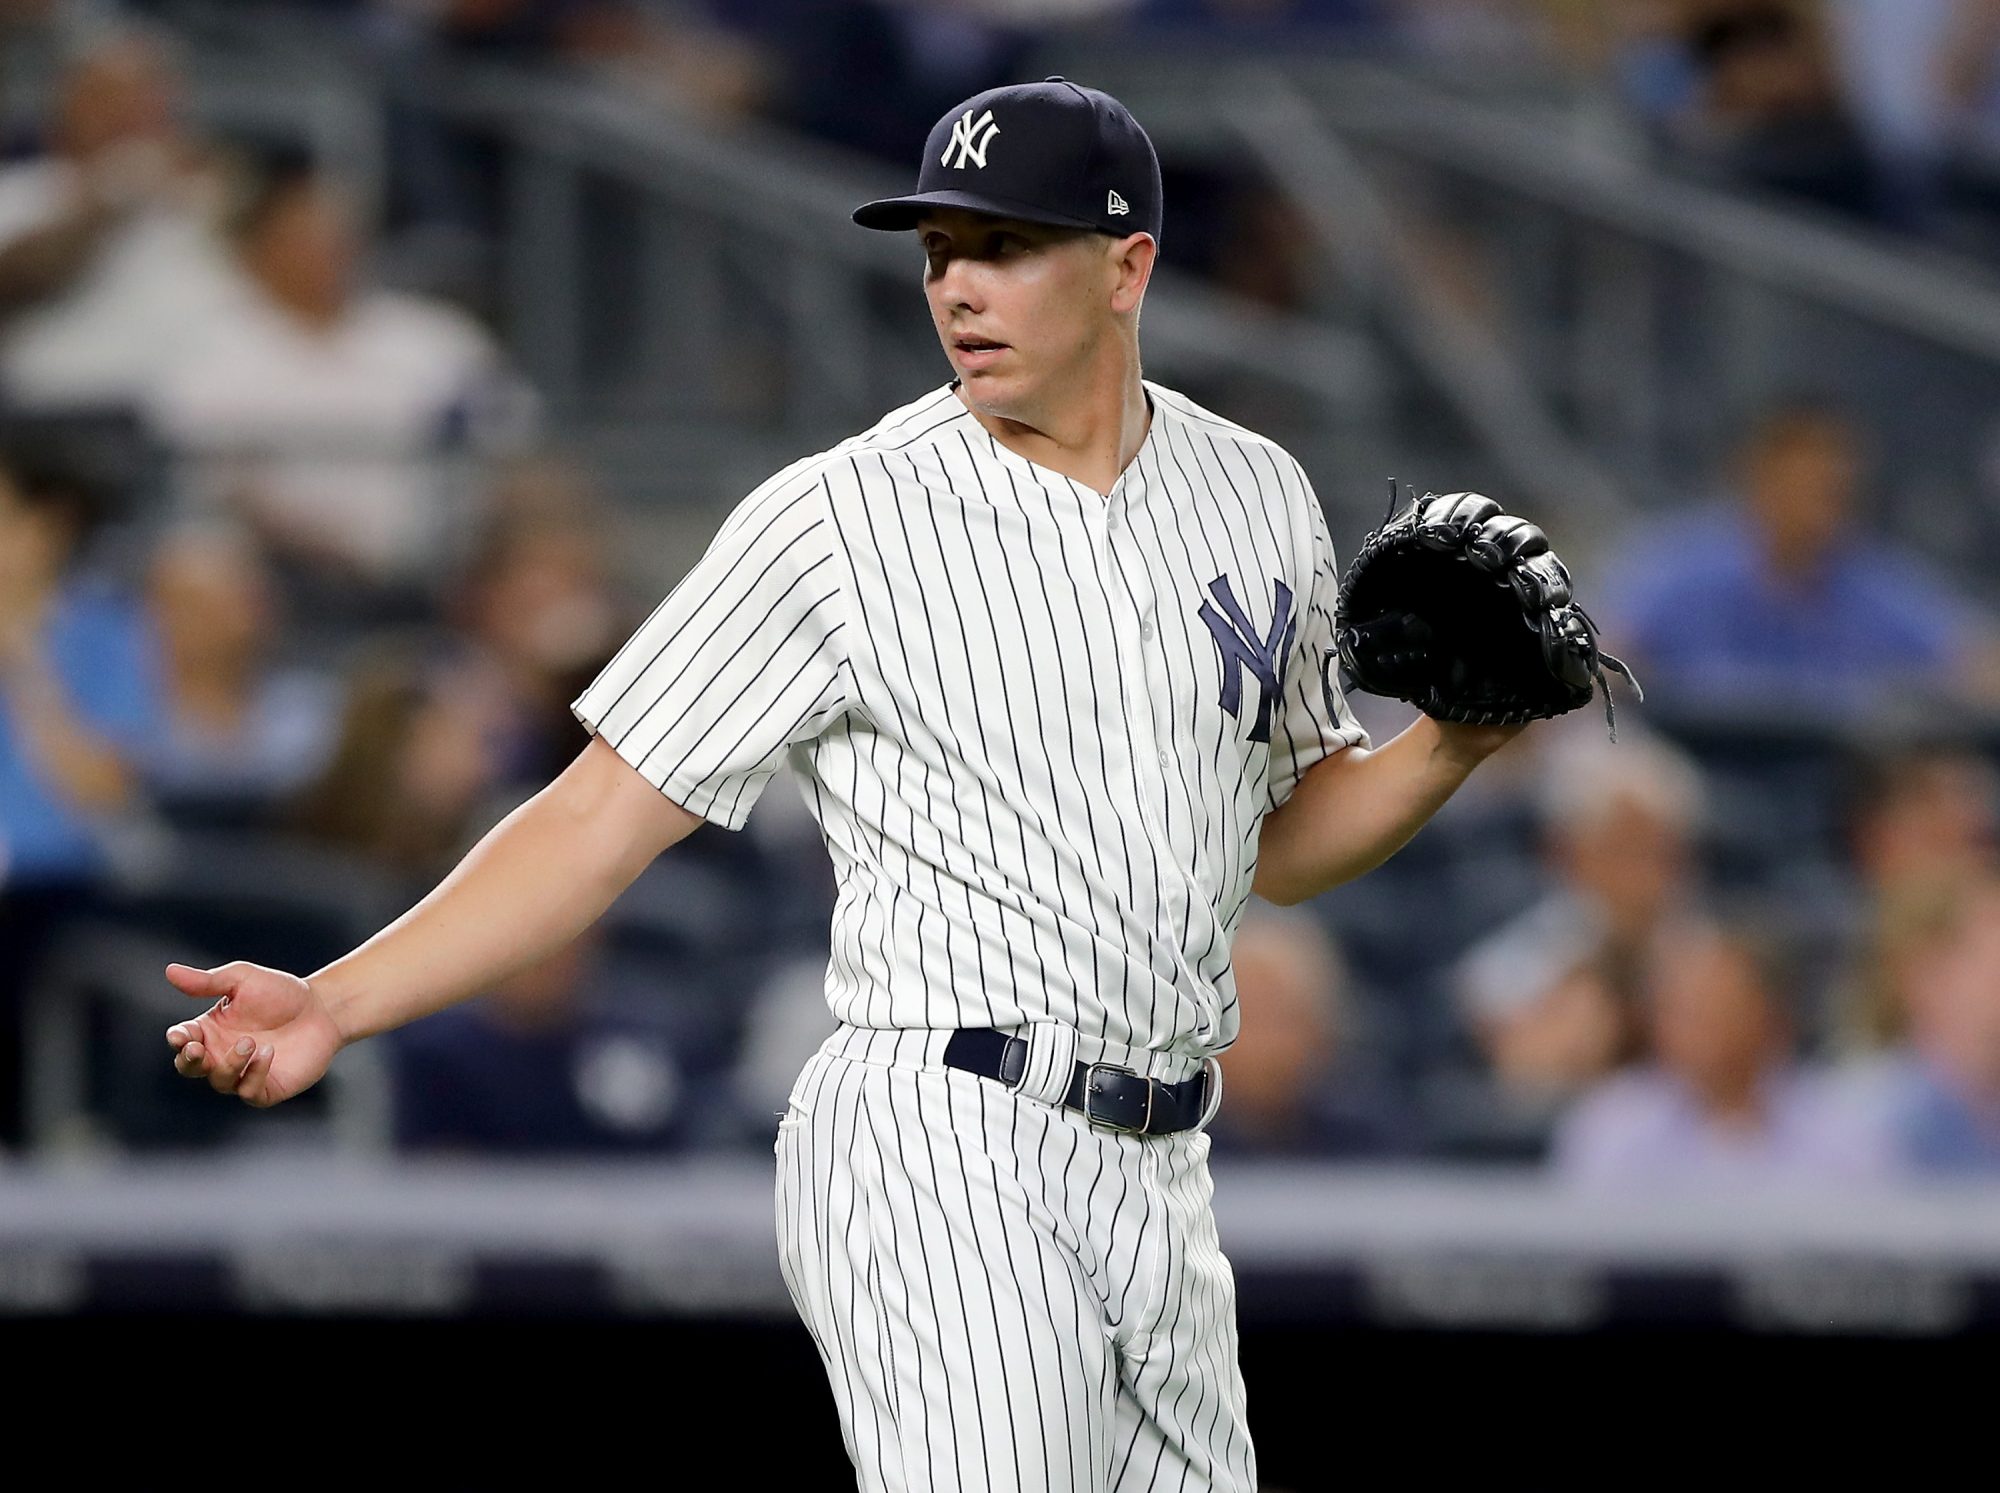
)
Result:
{"points": [[1280, 889], [105, 787], [1276, 876], [1288, 886]]}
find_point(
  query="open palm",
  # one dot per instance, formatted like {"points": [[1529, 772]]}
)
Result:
{"points": [[266, 1038]]}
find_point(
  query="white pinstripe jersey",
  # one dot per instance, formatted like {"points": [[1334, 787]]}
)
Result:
{"points": [[1039, 726]]}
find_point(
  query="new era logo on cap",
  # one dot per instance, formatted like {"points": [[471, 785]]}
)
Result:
{"points": [[1066, 147]]}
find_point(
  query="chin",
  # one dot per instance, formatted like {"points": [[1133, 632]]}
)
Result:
{"points": [[991, 393]]}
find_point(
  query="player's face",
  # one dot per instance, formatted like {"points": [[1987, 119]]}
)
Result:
{"points": [[1016, 305]]}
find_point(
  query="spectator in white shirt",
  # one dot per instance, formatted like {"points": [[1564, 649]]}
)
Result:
{"points": [[1553, 998], [109, 261], [244, 730], [337, 419]]}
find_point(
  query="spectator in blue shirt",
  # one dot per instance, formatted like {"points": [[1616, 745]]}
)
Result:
{"points": [[1780, 605], [243, 729], [78, 699], [543, 1065], [1934, 1098]]}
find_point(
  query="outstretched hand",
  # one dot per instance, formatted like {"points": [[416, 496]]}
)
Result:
{"points": [[266, 1038]]}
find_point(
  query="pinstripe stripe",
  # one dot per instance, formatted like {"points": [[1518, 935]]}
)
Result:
{"points": [[1006, 713], [988, 1324], [945, 638]]}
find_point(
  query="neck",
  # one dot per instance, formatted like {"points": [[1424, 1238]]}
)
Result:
{"points": [[1090, 438], [1959, 1068], [214, 690], [1796, 564], [1735, 1101], [34, 596], [316, 314]]}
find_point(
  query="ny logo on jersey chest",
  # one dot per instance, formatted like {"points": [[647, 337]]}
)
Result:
{"points": [[1242, 647]]}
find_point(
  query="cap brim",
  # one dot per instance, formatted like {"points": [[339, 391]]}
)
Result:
{"points": [[895, 214]]}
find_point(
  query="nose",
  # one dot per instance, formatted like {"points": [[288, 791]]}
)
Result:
{"points": [[956, 284]]}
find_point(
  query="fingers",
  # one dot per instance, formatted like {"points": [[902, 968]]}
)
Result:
{"points": [[193, 1043], [226, 1071], [184, 1034], [206, 984], [254, 1087], [232, 1063], [191, 981], [243, 1069]]}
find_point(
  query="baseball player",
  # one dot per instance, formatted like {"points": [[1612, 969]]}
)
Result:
{"points": [[1050, 652]]}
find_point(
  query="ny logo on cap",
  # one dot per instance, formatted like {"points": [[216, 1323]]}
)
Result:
{"points": [[965, 131], [1117, 206]]}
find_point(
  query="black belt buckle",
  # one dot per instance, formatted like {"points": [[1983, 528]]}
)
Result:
{"points": [[1090, 1092]]}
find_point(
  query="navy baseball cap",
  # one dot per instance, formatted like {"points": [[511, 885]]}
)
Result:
{"points": [[1049, 152]]}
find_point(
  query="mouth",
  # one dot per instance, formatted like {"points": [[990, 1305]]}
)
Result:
{"points": [[976, 352]]}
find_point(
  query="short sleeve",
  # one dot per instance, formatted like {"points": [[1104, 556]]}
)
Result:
{"points": [[1315, 721], [110, 664], [1613, 1136], [746, 658], [30, 198], [1915, 611]]}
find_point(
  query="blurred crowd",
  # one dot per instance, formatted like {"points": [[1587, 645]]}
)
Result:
{"points": [[257, 698], [1886, 110]]}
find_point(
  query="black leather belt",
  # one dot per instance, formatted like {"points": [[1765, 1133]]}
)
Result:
{"points": [[1104, 1093]]}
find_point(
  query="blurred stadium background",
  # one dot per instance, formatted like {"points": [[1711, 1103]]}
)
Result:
{"points": [[370, 367]]}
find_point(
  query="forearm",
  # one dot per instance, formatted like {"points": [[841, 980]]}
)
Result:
{"points": [[80, 764], [43, 262], [1355, 809], [538, 878]]}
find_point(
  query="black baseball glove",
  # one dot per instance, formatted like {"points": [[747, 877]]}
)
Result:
{"points": [[1465, 612]]}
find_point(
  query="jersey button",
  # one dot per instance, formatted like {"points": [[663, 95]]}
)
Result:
{"points": [[1146, 630], [1166, 760]]}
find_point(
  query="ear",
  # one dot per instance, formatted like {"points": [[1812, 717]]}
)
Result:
{"points": [[1131, 262]]}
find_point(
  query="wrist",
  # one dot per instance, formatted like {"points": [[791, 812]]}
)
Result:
{"points": [[325, 989], [1462, 747]]}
